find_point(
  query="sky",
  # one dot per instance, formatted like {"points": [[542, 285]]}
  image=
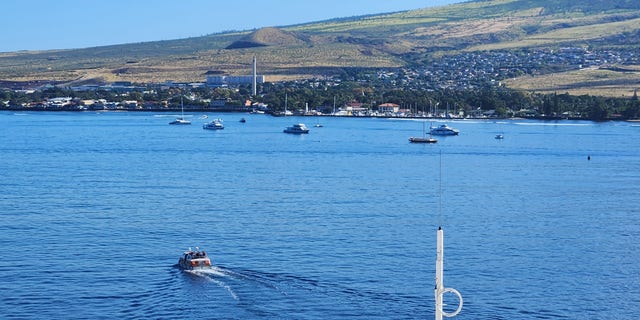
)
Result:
{"points": [[69, 24]]}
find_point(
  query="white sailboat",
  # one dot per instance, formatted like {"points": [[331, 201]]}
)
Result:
{"points": [[424, 139], [181, 119]]}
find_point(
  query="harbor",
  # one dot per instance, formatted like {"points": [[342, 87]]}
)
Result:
{"points": [[337, 223]]}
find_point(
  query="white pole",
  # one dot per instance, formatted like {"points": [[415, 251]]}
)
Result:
{"points": [[254, 87], [440, 290], [439, 272]]}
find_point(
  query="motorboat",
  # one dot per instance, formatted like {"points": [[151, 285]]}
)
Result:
{"points": [[499, 136], [194, 259], [215, 124], [298, 128], [444, 130], [243, 120]]}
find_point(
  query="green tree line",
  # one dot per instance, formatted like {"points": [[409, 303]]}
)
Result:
{"points": [[500, 101]]}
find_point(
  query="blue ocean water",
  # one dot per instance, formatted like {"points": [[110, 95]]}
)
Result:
{"points": [[96, 208]]}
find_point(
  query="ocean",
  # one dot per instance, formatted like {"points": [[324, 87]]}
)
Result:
{"points": [[96, 209]]}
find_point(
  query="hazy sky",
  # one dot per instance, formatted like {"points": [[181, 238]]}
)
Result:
{"points": [[64, 24]]}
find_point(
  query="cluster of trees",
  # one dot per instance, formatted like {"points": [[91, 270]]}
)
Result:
{"points": [[504, 102], [324, 95]]}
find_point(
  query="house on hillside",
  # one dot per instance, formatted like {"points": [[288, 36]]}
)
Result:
{"points": [[355, 108], [388, 107]]}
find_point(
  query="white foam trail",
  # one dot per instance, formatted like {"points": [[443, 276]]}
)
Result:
{"points": [[552, 124], [211, 271], [226, 287], [210, 274], [171, 115]]}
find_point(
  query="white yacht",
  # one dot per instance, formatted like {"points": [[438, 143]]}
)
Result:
{"points": [[215, 124], [444, 130], [298, 128]]}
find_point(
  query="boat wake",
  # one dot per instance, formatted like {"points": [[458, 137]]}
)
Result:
{"points": [[553, 124], [250, 287], [209, 271], [215, 275], [171, 115]]}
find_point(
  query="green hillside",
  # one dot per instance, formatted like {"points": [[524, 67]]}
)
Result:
{"points": [[403, 39]]}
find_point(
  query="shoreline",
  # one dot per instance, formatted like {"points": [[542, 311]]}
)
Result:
{"points": [[204, 110]]}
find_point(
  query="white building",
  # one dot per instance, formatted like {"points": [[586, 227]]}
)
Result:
{"points": [[223, 81]]}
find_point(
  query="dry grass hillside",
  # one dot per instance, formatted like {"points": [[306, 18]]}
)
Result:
{"points": [[376, 41], [613, 82]]}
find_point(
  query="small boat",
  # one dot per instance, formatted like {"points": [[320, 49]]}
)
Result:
{"points": [[243, 120], [298, 128], [194, 259], [499, 136], [444, 130], [181, 119], [424, 139], [215, 124]]}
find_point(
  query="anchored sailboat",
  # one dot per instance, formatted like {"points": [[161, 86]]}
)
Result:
{"points": [[181, 119], [424, 139]]}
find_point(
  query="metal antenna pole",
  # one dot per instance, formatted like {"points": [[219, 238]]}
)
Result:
{"points": [[440, 290]]}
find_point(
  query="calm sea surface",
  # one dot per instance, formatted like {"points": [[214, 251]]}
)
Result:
{"points": [[96, 208]]}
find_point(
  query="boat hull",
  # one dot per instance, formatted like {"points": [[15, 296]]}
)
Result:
{"points": [[422, 140], [295, 131], [207, 127], [180, 122]]}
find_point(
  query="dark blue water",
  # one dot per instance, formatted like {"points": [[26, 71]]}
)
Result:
{"points": [[95, 209]]}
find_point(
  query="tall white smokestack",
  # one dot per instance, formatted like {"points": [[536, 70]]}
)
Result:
{"points": [[254, 88]]}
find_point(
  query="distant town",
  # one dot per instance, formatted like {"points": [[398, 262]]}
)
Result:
{"points": [[467, 85]]}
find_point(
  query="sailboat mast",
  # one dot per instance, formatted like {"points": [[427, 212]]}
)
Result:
{"points": [[334, 105], [181, 107]]}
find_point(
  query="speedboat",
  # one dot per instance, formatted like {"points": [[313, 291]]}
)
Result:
{"points": [[180, 120], [298, 128], [215, 124], [444, 130], [194, 259]]}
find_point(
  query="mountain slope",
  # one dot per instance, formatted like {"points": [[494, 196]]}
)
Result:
{"points": [[407, 38]]}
